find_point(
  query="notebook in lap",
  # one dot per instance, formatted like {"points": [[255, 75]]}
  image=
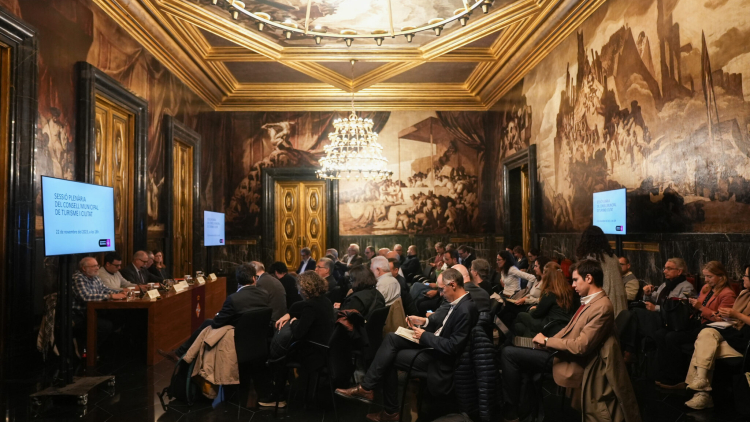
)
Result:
{"points": [[524, 342]]}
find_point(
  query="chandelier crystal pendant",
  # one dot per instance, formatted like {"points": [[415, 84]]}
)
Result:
{"points": [[353, 152]]}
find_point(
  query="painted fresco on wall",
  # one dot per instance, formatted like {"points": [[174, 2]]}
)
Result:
{"points": [[653, 96], [435, 159]]}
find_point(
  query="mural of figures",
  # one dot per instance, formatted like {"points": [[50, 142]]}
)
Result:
{"points": [[435, 159], [647, 95]]}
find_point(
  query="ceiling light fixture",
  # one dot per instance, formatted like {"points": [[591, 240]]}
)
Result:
{"points": [[354, 151], [237, 10]]}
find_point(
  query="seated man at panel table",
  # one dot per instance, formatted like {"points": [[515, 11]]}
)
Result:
{"points": [[88, 287], [247, 298], [577, 343], [448, 336], [110, 272], [137, 271]]}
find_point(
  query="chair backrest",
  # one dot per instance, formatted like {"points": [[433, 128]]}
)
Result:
{"points": [[374, 328], [621, 320], [251, 335]]}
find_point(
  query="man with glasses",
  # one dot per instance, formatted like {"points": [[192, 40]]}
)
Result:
{"points": [[324, 268], [137, 271], [88, 287], [247, 298], [646, 319], [110, 272], [447, 333]]}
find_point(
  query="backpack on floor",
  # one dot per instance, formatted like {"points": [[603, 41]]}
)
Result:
{"points": [[181, 386]]}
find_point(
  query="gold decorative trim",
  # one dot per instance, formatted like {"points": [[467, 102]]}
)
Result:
{"points": [[467, 240], [637, 246], [242, 242]]}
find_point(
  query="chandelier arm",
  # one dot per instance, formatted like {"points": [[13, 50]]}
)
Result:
{"points": [[307, 17], [390, 17]]}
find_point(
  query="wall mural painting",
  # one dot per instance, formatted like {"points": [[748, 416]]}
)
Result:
{"points": [[74, 31], [435, 159], [649, 97]]}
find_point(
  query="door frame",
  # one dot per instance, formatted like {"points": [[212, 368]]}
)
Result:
{"points": [[269, 176], [176, 130], [526, 157], [90, 82], [19, 272]]}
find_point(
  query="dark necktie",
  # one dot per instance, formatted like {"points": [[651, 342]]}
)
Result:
{"points": [[140, 276]]}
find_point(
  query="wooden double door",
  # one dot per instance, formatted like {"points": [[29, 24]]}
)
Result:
{"points": [[300, 212], [182, 209]]}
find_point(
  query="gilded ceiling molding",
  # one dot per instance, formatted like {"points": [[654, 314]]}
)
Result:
{"points": [[141, 26], [241, 54], [381, 74]]}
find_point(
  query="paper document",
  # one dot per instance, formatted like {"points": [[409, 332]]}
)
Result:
{"points": [[407, 334], [720, 324]]}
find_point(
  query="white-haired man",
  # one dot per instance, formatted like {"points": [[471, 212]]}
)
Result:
{"points": [[387, 285], [88, 287]]}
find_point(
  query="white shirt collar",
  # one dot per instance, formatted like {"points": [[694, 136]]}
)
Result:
{"points": [[586, 299], [455, 302]]}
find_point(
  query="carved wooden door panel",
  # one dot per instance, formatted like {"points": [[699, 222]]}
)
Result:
{"points": [[300, 221], [182, 218], [112, 166]]}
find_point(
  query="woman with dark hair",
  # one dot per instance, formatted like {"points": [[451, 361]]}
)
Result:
{"points": [[557, 303], [158, 268], [713, 344], [534, 290], [365, 298], [594, 245], [510, 276]]}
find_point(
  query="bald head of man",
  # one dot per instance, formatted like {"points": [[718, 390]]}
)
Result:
{"points": [[392, 254], [383, 251]]}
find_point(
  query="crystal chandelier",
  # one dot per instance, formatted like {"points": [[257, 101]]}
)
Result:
{"points": [[354, 151]]}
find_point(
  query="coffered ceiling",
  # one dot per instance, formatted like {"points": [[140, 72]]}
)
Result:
{"points": [[234, 66]]}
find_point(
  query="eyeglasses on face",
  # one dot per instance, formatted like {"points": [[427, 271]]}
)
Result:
{"points": [[316, 267], [670, 269]]}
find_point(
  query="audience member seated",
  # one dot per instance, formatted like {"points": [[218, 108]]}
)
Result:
{"points": [[577, 343], [437, 263], [394, 255], [88, 287], [400, 251], [715, 294], [110, 273], [307, 263], [411, 265], [520, 257], [510, 276], [387, 285], [594, 245], [338, 270], [478, 295], [248, 297], [713, 344], [158, 268], [395, 267], [466, 256], [427, 298], [365, 298], [510, 251], [528, 296], [311, 320], [369, 255], [150, 266], [532, 255], [279, 270], [352, 258], [324, 268], [383, 252], [556, 303], [646, 321], [448, 337], [276, 291], [631, 283], [137, 272], [480, 273]]}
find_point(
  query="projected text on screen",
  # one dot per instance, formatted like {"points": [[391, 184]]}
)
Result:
{"points": [[610, 211]]}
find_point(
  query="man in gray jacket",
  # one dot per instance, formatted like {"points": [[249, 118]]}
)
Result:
{"points": [[275, 289]]}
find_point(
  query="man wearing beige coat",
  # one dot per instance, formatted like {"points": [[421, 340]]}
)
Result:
{"points": [[576, 344]]}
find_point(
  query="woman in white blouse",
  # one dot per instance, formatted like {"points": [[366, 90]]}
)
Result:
{"points": [[510, 276]]}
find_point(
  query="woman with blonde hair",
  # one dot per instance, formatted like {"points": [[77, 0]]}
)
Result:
{"points": [[715, 294], [713, 344], [556, 303]]}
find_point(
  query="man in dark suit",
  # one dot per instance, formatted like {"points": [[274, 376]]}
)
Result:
{"points": [[409, 307], [352, 257], [466, 256], [276, 291], [137, 271], [280, 271], [411, 266], [248, 297], [307, 264], [448, 337]]}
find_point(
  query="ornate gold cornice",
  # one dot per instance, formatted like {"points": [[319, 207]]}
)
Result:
{"points": [[168, 29]]}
